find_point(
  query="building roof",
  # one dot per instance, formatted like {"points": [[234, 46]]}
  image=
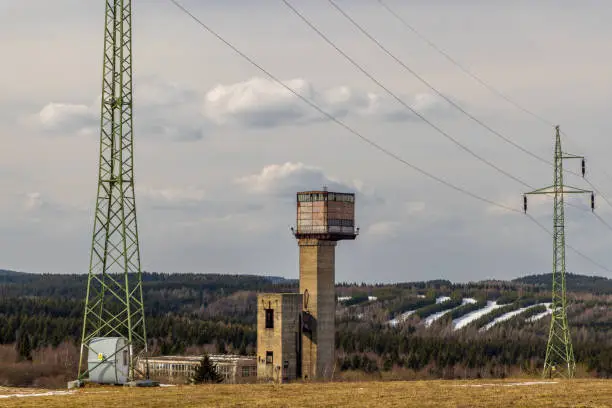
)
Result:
{"points": [[214, 357]]}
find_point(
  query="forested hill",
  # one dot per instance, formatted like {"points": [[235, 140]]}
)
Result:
{"points": [[575, 283], [423, 329], [74, 286]]}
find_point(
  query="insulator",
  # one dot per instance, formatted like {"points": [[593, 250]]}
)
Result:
{"points": [[592, 201], [583, 167], [525, 204]]}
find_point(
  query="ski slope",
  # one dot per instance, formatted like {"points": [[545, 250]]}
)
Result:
{"points": [[430, 319], [540, 315], [463, 321], [507, 316]]}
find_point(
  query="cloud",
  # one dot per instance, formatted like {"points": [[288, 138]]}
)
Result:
{"points": [[36, 207], [67, 118], [171, 197], [33, 201], [170, 111], [414, 207], [288, 178], [151, 92], [263, 103], [384, 229], [164, 111]]}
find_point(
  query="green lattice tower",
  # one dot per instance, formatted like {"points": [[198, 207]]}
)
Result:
{"points": [[559, 361], [114, 304]]}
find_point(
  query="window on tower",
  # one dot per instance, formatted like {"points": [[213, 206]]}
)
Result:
{"points": [[269, 318]]}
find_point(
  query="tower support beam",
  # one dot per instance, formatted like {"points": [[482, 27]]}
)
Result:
{"points": [[114, 303], [559, 360], [317, 286]]}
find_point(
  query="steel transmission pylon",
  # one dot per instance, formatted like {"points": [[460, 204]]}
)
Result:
{"points": [[559, 361], [114, 303]]}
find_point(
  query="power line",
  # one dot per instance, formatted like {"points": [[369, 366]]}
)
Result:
{"points": [[487, 85], [359, 135], [453, 103], [602, 221], [576, 251], [338, 121], [398, 99], [430, 86], [462, 68]]}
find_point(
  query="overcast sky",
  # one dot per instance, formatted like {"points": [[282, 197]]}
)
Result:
{"points": [[221, 150]]}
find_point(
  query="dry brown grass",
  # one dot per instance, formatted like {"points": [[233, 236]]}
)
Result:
{"points": [[577, 393]]}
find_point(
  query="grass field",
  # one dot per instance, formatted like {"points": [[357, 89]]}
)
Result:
{"points": [[506, 393]]}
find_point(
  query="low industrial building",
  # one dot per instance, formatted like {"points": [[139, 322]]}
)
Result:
{"points": [[234, 369], [279, 336]]}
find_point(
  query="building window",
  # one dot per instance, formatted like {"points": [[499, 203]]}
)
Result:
{"points": [[269, 318], [269, 357], [125, 357]]}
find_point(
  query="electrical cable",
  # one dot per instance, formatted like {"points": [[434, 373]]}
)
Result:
{"points": [[363, 138], [576, 251], [485, 84], [377, 82], [462, 68], [398, 99], [338, 121], [430, 86]]}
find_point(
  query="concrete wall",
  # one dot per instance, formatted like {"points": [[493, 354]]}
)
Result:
{"points": [[281, 339], [317, 279]]}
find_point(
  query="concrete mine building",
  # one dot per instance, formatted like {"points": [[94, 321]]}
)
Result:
{"points": [[295, 332]]}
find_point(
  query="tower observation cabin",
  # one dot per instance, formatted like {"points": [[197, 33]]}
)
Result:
{"points": [[325, 215]]}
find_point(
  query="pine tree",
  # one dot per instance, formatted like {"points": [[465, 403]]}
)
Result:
{"points": [[206, 372], [24, 347]]}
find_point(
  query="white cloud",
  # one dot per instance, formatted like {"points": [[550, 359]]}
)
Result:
{"points": [[172, 196], [151, 91], [415, 207], [288, 178], [165, 111], [37, 207], [69, 118], [385, 229], [33, 201], [260, 102]]}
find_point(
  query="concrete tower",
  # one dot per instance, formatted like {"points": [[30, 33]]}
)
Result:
{"points": [[323, 219]]}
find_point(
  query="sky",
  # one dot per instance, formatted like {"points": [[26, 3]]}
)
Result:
{"points": [[221, 149]]}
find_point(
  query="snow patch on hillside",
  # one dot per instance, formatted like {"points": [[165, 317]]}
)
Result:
{"points": [[401, 318], [430, 319], [540, 315], [463, 321], [442, 299], [507, 316]]}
